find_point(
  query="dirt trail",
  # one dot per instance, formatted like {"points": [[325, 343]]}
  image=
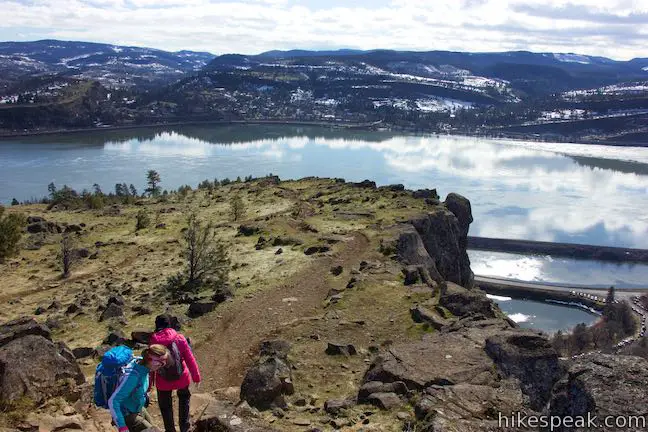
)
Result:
{"points": [[234, 339]]}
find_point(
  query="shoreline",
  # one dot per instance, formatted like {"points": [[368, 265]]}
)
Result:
{"points": [[372, 126]]}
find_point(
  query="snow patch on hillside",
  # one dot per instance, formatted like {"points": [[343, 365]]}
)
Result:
{"points": [[573, 58]]}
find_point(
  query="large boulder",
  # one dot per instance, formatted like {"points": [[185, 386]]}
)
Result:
{"points": [[266, 383], [22, 327], [603, 385], [35, 367], [530, 358]]}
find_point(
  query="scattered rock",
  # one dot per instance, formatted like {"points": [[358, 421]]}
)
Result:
{"points": [[73, 308], [83, 352], [286, 241], [248, 230], [279, 251], [220, 416], [222, 294], [116, 337], [334, 348], [40, 310], [44, 227], [316, 249], [261, 243], [55, 305], [365, 184], [160, 226], [95, 255], [337, 270], [394, 188], [20, 328], [425, 193], [371, 387], [112, 311], [266, 383], [402, 416], [52, 323], [352, 283], [141, 336], [116, 299], [336, 407], [421, 314], [34, 219], [73, 229], [197, 309], [386, 401], [301, 422], [142, 310]]}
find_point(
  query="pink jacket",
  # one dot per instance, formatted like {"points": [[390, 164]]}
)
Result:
{"points": [[166, 337]]}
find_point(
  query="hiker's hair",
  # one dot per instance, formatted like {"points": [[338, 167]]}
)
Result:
{"points": [[154, 350]]}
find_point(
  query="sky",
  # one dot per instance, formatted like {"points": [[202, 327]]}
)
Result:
{"points": [[612, 28]]}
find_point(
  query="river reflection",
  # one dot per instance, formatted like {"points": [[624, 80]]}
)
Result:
{"points": [[550, 192]]}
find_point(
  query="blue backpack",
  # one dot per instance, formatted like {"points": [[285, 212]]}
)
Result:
{"points": [[113, 366]]}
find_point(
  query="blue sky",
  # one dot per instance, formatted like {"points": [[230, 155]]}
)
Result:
{"points": [[613, 28]]}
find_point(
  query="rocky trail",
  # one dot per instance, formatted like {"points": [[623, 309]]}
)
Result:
{"points": [[235, 335]]}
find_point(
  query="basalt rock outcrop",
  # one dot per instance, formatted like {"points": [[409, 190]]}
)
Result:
{"points": [[31, 365], [530, 358], [436, 242], [604, 385]]}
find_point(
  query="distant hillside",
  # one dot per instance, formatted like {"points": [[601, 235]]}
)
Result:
{"points": [[556, 96], [112, 65]]}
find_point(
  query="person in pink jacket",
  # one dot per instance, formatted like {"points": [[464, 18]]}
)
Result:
{"points": [[180, 369]]}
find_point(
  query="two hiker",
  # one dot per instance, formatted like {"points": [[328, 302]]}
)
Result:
{"points": [[122, 381]]}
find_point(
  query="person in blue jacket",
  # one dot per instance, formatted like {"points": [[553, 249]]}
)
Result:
{"points": [[128, 401]]}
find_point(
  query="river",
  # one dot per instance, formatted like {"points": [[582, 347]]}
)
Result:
{"points": [[525, 190]]}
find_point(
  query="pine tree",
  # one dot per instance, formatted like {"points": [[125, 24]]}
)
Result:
{"points": [[153, 182]]}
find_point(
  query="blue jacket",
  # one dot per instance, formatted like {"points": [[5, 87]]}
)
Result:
{"points": [[130, 395]]}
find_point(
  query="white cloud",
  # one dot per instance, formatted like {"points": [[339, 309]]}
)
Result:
{"points": [[593, 27]]}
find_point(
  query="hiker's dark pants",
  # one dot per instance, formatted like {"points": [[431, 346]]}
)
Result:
{"points": [[165, 400], [139, 422]]}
